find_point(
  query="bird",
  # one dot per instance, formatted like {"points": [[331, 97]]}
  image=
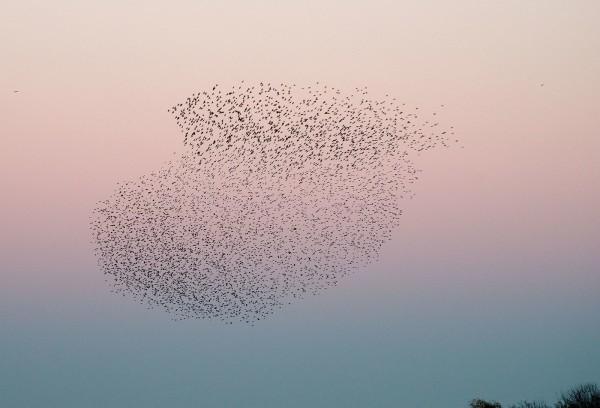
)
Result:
{"points": [[280, 192]]}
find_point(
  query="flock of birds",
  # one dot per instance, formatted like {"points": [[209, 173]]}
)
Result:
{"points": [[280, 192]]}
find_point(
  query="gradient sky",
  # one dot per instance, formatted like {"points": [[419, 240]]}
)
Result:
{"points": [[489, 288]]}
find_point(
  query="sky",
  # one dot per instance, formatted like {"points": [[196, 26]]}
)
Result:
{"points": [[488, 288]]}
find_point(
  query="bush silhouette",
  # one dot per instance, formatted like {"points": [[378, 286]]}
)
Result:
{"points": [[479, 403], [531, 404], [583, 396]]}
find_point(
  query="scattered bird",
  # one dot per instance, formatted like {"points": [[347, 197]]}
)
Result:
{"points": [[280, 192]]}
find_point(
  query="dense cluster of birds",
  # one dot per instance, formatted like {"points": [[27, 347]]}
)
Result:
{"points": [[280, 191]]}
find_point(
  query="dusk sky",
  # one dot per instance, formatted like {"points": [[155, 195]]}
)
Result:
{"points": [[489, 287]]}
